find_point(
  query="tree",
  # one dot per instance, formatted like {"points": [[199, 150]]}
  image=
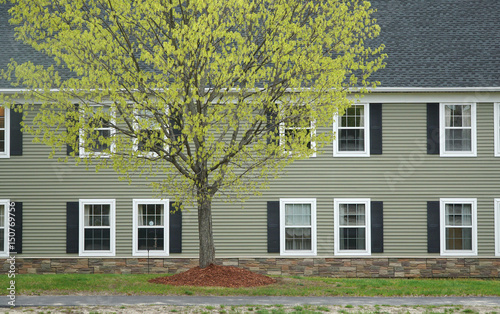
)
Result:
{"points": [[205, 98]]}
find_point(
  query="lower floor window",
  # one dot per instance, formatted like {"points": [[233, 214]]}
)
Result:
{"points": [[497, 226], [97, 227], [352, 226], [4, 229], [298, 226], [458, 226], [150, 227]]}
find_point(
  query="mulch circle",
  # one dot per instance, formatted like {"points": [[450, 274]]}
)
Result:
{"points": [[215, 275]]}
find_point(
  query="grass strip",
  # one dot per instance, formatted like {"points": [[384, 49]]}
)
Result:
{"points": [[112, 284]]}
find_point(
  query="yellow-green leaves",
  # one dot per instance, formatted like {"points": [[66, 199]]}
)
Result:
{"points": [[215, 93]]}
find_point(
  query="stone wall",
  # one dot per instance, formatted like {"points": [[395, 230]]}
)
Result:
{"points": [[327, 267]]}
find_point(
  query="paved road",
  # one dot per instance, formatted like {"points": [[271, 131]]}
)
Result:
{"points": [[260, 300]]}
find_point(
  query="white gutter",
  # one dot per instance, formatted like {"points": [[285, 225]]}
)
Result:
{"points": [[353, 89]]}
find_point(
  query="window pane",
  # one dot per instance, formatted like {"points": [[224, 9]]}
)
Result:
{"points": [[96, 215], [152, 135], [2, 216], [458, 140], [297, 214], [352, 238], [298, 238], [458, 214], [151, 215], [150, 238], [351, 140], [2, 238], [459, 238], [352, 214], [353, 117], [2, 141], [97, 239], [101, 144]]}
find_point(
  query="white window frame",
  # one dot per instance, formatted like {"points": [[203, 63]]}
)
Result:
{"points": [[283, 128], [4, 252], [112, 218], [497, 226], [496, 123], [336, 209], [442, 133], [312, 202], [6, 152], [442, 220], [166, 224], [86, 154], [336, 126]]}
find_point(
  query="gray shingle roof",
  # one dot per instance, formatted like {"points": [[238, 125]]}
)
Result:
{"points": [[440, 43], [430, 43]]}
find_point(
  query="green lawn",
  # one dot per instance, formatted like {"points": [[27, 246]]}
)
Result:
{"points": [[63, 284]]}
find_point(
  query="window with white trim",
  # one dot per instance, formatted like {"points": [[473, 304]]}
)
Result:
{"points": [[352, 226], [97, 227], [151, 232], [4, 227], [102, 132], [149, 134], [457, 129], [298, 226], [352, 132], [289, 131], [497, 226], [496, 114], [458, 224], [4, 132]]}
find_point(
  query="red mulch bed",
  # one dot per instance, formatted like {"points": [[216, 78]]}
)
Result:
{"points": [[215, 275]]}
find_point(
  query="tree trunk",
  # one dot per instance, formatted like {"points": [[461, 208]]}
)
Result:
{"points": [[207, 246]]}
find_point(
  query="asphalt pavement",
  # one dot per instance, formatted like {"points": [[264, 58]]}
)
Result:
{"points": [[242, 300]]}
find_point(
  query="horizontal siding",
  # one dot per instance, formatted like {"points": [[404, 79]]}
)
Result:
{"points": [[404, 177]]}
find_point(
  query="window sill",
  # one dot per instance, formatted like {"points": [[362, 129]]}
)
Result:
{"points": [[96, 254], [298, 253], [151, 254], [459, 253]]}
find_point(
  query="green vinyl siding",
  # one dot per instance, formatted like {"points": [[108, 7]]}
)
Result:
{"points": [[404, 177]]}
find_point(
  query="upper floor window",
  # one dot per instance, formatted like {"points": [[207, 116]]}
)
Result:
{"points": [[97, 227], [352, 226], [352, 138], [4, 132], [458, 226], [100, 131], [151, 221], [298, 226], [457, 129], [149, 134], [290, 131]]}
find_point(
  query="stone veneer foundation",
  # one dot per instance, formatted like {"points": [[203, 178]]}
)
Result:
{"points": [[327, 267]]}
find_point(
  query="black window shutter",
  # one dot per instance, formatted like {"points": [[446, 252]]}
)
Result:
{"points": [[377, 226], [16, 136], [273, 227], [72, 227], [175, 228], [375, 129], [18, 228], [69, 148], [433, 129], [433, 234]]}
